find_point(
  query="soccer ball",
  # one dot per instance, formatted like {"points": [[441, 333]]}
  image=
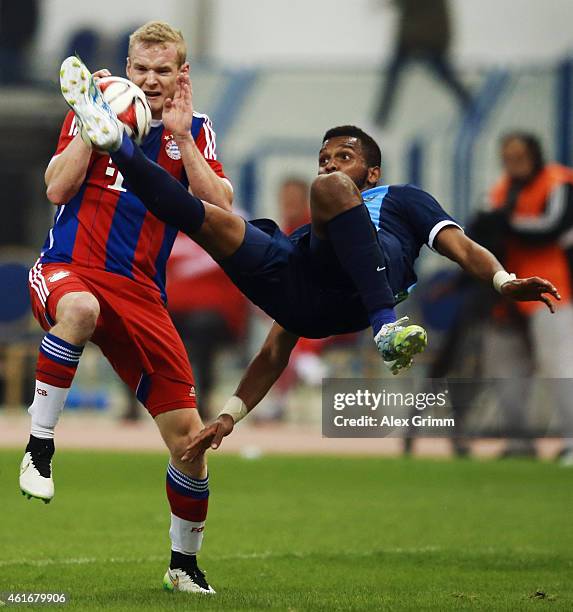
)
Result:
{"points": [[129, 103]]}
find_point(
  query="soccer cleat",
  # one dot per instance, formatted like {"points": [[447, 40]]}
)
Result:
{"points": [[190, 580], [98, 124], [398, 344], [36, 470]]}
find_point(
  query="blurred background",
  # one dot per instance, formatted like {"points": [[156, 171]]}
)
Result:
{"points": [[437, 84]]}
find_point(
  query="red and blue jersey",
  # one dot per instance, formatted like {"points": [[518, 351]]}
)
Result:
{"points": [[105, 226]]}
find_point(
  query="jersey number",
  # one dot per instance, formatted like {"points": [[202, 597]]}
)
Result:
{"points": [[117, 184]]}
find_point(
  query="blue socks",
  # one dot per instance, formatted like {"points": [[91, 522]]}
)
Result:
{"points": [[355, 242], [378, 318], [162, 195]]}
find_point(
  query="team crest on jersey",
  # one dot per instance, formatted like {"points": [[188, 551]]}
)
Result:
{"points": [[172, 150], [58, 276], [192, 391]]}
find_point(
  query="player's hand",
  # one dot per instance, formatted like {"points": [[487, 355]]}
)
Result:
{"points": [[178, 111], [100, 74], [532, 289], [209, 437]]}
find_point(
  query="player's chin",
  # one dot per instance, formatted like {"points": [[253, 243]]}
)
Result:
{"points": [[155, 102]]}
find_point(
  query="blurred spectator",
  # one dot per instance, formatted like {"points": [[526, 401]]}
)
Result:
{"points": [[18, 25], [294, 203], [424, 34], [529, 228], [534, 204], [464, 308]]}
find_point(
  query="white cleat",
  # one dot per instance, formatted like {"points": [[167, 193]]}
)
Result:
{"points": [[36, 481], [192, 581], [99, 124]]}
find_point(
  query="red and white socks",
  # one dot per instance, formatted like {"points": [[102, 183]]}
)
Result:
{"points": [[188, 498], [57, 364]]}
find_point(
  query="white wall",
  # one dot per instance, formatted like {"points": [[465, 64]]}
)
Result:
{"points": [[360, 31], [301, 31], [343, 32], [60, 17], [514, 30]]}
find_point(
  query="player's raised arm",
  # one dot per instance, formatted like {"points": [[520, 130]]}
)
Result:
{"points": [[262, 373], [177, 118], [480, 263]]}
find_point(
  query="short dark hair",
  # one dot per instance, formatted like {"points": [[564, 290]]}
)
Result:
{"points": [[531, 142], [370, 148]]}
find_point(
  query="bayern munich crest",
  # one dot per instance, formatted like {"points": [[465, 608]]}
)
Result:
{"points": [[172, 150]]}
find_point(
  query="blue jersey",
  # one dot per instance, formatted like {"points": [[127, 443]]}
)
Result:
{"points": [[406, 218], [299, 281]]}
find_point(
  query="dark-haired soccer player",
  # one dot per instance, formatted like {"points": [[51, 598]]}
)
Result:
{"points": [[343, 271]]}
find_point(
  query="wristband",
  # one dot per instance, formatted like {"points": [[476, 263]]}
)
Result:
{"points": [[500, 278], [235, 408]]}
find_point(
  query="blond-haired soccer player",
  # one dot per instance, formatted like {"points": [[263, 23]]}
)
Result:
{"points": [[101, 277]]}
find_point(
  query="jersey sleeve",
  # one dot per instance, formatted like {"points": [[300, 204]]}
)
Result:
{"points": [[206, 143], [555, 220], [427, 218], [67, 133]]}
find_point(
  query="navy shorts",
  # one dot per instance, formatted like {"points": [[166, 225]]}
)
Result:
{"points": [[297, 280]]}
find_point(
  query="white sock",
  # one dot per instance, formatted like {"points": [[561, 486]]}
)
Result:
{"points": [[46, 409], [186, 536]]}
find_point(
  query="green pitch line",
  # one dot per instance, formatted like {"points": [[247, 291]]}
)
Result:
{"points": [[300, 533]]}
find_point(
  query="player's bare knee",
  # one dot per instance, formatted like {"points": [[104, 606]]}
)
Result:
{"points": [[179, 437], [80, 312], [331, 194], [177, 447]]}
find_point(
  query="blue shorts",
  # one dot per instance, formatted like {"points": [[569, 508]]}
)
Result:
{"points": [[297, 280]]}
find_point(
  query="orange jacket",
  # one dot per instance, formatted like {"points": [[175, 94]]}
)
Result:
{"points": [[536, 203]]}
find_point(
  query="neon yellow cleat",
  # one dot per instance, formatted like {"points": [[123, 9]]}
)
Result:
{"points": [[398, 344]]}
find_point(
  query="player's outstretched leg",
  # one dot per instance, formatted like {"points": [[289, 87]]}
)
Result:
{"points": [[97, 122], [339, 214]]}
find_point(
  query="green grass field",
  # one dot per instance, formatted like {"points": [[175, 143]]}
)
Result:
{"points": [[301, 533]]}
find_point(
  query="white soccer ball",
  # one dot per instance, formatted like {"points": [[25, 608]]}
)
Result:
{"points": [[130, 105]]}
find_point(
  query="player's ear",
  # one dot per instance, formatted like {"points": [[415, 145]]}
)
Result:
{"points": [[374, 174], [128, 65], [185, 68]]}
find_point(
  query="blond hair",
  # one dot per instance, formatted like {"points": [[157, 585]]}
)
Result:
{"points": [[159, 32]]}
